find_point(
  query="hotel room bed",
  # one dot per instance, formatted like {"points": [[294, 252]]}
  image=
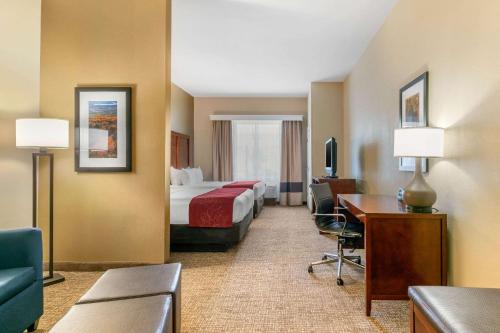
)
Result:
{"points": [[183, 237], [259, 189]]}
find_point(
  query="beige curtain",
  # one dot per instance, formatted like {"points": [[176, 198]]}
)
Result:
{"points": [[291, 164], [222, 150]]}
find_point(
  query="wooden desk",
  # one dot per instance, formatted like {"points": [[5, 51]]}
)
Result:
{"points": [[402, 249]]}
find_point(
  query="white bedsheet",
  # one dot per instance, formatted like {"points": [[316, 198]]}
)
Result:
{"points": [[180, 197], [259, 188]]}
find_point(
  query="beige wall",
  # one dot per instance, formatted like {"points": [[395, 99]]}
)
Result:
{"points": [[182, 114], [457, 42], [19, 97], [204, 107], [325, 117], [110, 217], [326, 121]]}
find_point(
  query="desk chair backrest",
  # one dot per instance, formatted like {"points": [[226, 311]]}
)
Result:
{"points": [[323, 199]]}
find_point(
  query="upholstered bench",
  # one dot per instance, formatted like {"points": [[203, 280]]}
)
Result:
{"points": [[134, 315], [140, 281], [453, 309], [128, 295]]}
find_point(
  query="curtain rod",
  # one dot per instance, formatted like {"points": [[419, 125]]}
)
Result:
{"points": [[256, 117]]}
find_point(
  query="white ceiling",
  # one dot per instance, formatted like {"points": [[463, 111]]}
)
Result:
{"points": [[269, 47]]}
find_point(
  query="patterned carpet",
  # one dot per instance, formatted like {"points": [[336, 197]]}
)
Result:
{"points": [[261, 286]]}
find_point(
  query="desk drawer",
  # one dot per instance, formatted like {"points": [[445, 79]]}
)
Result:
{"points": [[403, 253]]}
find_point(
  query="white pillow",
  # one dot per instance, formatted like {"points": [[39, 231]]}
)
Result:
{"points": [[176, 176], [194, 176], [184, 177]]}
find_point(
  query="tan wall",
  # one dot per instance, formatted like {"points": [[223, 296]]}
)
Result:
{"points": [[457, 42], [19, 97], [326, 121], [182, 114], [110, 217], [309, 173], [204, 107]]}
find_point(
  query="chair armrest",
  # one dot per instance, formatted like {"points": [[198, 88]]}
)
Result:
{"points": [[338, 215], [21, 248]]}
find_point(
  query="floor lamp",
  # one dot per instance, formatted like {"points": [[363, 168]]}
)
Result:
{"points": [[44, 134]]}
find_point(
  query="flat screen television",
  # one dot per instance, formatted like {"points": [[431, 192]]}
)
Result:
{"points": [[331, 158]]}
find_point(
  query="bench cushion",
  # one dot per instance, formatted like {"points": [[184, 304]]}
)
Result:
{"points": [[134, 281], [15, 280], [124, 283], [135, 315], [454, 309]]}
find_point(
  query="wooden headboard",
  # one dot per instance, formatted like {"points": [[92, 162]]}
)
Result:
{"points": [[179, 153]]}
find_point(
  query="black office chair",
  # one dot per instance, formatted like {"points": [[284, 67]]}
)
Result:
{"points": [[332, 223]]}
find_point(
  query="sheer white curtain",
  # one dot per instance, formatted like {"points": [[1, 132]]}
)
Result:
{"points": [[257, 152]]}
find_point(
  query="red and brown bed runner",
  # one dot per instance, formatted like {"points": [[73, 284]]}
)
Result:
{"points": [[242, 184], [213, 209]]}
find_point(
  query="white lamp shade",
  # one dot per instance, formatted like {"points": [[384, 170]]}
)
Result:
{"points": [[419, 142], [42, 133]]}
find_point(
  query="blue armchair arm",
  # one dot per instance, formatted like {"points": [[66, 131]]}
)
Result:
{"points": [[21, 248]]}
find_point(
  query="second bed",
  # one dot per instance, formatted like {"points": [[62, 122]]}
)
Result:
{"points": [[258, 191]]}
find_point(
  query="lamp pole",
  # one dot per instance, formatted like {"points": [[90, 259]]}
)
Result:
{"points": [[52, 278]]}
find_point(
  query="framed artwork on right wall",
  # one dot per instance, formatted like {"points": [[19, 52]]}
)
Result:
{"points": [[413, 112]]}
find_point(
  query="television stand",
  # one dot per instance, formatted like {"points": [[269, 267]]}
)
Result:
{"points": [[331, 177]]}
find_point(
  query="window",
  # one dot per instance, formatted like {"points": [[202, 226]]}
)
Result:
{"points": [[257, 152]]}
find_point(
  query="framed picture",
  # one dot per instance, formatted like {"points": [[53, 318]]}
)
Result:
{"points": [[413, 112], [103, 129]]}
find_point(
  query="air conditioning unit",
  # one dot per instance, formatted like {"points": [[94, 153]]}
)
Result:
{"points": [[271, 192]]}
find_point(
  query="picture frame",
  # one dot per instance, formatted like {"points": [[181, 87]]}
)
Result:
{"points": [[413, 112], [103, 129]]}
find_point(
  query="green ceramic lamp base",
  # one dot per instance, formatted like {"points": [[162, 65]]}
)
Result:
{"points": [[418, 195]]}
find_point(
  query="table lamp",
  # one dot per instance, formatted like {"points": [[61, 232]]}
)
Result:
{"points": [[44, 134], [419, 142]]}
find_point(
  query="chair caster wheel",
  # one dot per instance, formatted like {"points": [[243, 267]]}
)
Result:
{"points": [[310, 269], [340, 282], [324, 257]]}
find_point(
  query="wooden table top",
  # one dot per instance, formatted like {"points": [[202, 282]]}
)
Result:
{"points": [[375, 204]]}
